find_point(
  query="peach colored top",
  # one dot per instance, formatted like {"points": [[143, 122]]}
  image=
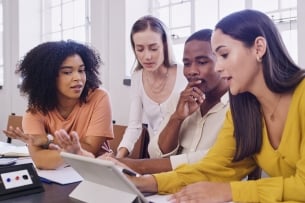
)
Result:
{"points": [[93, 118]]}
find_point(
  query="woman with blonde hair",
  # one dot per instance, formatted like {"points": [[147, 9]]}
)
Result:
{"points": [[157, 80]]}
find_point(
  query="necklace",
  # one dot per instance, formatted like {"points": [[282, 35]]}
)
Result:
{"points": [[157, 87], [275, 108]]}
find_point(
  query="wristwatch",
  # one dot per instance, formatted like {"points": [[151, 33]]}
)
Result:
{"points": [[50, 140]]}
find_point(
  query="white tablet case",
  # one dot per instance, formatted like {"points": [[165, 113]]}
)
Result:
{"points": [[103, 181]]}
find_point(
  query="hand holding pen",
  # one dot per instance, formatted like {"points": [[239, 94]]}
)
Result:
{"points": [[130, 172]]}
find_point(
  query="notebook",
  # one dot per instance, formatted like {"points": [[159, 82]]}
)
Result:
{"points": [[102, 181]]}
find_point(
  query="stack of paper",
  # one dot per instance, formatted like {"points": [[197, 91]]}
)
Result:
{"points": [[9, 150]]}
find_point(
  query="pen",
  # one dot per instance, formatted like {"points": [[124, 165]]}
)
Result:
{"points": [[129, 172], [44, 180]]}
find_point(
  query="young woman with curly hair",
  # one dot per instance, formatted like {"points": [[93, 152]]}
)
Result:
{"points": [[61, 81]]}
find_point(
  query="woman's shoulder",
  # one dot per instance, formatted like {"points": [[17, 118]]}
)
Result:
{"points": [[36, 114], [137, 74], [97, 93], [136, 78]]}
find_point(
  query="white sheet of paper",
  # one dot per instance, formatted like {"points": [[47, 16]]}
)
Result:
{"points": [[158, 198], [63, 175]]}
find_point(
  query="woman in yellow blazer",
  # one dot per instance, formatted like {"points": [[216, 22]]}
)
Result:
{"points": [[265, 125]]}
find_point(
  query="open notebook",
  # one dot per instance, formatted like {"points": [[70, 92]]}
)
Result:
{"points": [[103, 181]]}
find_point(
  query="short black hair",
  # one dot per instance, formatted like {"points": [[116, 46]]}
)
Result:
{"points": [[201, 35], [40, 67]]}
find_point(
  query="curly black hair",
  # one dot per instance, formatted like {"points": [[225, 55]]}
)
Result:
{"points": [[39, 70]]}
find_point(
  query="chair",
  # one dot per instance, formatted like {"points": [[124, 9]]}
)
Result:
{"points": [[15, 121], [140, 149]]}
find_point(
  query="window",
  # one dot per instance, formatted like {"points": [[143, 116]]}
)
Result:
{"points": [[284, 14], [184, 17], [66, 19]]}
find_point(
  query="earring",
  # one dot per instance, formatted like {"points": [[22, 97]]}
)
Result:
{"points": [[259, 59]]}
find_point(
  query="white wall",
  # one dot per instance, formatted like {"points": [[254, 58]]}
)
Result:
{"points": [[17, 39], [6, 98], [116, 50], [22, 33]]}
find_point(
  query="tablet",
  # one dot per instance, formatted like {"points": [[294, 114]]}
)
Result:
{"points": [[103, 179]]}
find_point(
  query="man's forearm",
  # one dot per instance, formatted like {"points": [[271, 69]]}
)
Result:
{"points": [[169, 136], [148, 166]]}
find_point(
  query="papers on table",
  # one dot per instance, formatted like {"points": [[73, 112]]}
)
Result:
{"points": [[63, 175], [9, 150], [158, 198]]}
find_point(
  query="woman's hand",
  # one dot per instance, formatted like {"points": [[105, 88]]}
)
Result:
{"points": [[69, 143], [17, 133], [202, 192], [106, 155]]}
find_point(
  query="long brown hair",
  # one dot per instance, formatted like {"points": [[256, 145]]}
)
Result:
{"points": [[156, 25], [281, 75]]}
